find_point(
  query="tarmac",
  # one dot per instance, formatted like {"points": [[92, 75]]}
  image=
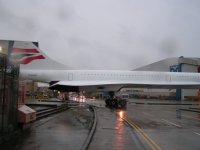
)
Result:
{"points": [[70, 129], [112, 134], [66, 130]]}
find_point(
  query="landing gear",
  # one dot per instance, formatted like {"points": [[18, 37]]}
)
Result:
{"points": [[115, 102], [122, 103]]}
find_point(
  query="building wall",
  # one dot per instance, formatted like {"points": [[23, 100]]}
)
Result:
{"points": [[189, 92], [187, 65], [189, 68]]}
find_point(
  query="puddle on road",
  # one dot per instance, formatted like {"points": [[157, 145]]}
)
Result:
{"points": [[110, 128]]}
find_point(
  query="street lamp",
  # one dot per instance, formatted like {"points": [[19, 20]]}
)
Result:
{"points": [[1, 49]]}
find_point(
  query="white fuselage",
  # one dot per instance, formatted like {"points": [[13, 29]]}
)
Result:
{"points": [[107, 77]]}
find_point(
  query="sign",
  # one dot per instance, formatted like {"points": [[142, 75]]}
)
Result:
{"points": [[175, 68]]}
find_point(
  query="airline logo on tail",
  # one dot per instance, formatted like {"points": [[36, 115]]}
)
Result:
{"points": [[25, 55]]}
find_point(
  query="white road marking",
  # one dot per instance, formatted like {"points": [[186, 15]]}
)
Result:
{"points": [[148, 114], [197, 133], [186, 116], [169, 122]]}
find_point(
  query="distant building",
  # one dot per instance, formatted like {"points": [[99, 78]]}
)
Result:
{"points": [[175, 64]]}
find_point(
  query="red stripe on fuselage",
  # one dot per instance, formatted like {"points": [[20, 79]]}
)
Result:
{"points": [[29, 59], [20, 50]]}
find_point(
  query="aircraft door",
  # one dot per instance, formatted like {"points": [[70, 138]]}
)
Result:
{"points": [[70, 76]]}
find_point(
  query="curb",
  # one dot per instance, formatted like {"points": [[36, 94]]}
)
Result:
{"points": [[90, 136]]}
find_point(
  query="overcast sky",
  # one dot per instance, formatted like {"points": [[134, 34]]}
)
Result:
{"points": [[105, 34]]}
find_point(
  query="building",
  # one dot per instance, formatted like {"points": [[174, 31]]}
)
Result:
{"points": [[175, 64]]}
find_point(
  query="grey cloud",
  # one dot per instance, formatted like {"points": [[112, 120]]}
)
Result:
{"points": [[105, 34], [77, 42], [65, 12], [14, 23], [126, 34], [169, 47]]}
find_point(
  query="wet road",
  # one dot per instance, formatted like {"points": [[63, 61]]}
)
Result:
{"points": [[111, 133], [167, 125], [151, 127], [139, 127], [66, 130]]}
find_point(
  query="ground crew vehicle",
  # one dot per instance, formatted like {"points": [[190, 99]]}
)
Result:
{"points": [[116, 103]]}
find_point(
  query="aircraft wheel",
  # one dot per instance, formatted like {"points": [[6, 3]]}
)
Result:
{"points": [[113, 103], [122, 103]]}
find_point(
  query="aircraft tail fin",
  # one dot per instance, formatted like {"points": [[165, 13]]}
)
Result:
{"points": [[29, 55], [25, 52]]}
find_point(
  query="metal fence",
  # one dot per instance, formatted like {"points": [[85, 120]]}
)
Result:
{"points": [[9, 82]]}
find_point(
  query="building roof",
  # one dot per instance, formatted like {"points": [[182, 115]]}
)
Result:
{"points": [[164, 65]]}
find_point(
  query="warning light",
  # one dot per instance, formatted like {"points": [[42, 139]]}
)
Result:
{"points": [[121, 114], [1, 49]]}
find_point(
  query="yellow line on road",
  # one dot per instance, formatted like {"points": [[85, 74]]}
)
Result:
{"points": [[149, 141]]}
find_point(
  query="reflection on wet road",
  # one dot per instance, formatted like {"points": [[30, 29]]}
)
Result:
{"points": [[167, 125], [119, 139], [148, 126], [150, 144], [112, 134]]}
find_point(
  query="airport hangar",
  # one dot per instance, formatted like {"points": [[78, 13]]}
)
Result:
{"points": [[174, 64]]}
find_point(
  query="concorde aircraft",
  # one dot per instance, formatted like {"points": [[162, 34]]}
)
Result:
{"points": [[35, 65]]}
